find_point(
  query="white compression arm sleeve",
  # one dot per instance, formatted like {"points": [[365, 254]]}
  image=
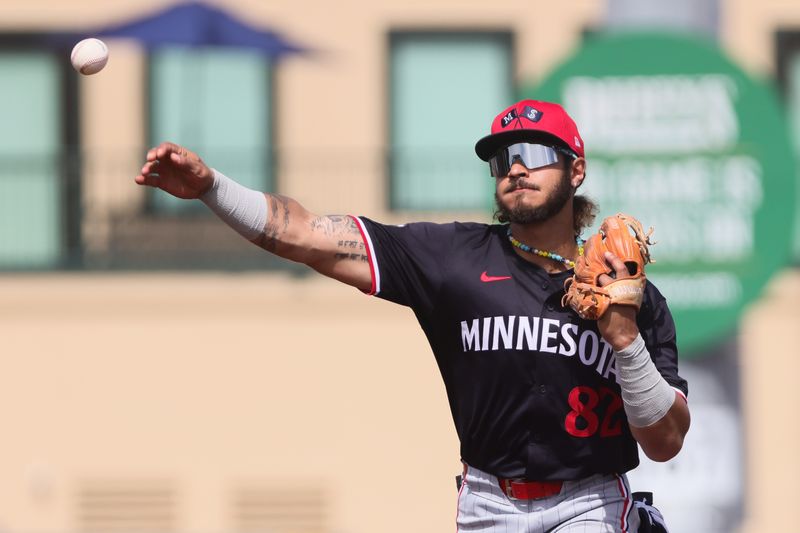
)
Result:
{"points": [[646, 396], [243, 209]]}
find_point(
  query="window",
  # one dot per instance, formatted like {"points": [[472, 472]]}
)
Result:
{"points": [[32, 221], [789, 79], [215, 102], [445, 89]]}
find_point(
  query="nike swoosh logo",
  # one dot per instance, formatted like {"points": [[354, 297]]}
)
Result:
{"points": [[486, 278]]}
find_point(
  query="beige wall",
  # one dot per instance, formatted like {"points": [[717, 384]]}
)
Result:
{"points": [[769, 367], [214, 382]]}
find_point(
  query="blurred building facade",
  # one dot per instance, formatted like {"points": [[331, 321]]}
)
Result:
{"points": [[165, 375]]}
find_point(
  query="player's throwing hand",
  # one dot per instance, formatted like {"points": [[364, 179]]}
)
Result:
{"points": [[176, 170]]}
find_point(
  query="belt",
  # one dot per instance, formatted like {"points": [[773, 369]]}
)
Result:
{"points": [[519, 489]]}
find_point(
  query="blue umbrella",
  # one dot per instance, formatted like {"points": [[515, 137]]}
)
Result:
{"points": [[190, 24]]}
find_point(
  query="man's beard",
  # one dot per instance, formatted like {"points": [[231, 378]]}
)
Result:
{"points": [[520, 214]]}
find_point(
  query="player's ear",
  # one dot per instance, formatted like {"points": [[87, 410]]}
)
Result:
{"points": [[577, 172]]}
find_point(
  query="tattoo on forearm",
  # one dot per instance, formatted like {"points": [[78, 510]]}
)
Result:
{"points": [[351, 244], [335, 225], [352, 257], [350, 251], [277, 222]]}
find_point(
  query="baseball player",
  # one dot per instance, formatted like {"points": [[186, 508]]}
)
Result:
{"points": [[548, 407]]}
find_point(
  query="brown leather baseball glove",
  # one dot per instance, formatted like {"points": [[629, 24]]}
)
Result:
{"points": [[623, 236]]}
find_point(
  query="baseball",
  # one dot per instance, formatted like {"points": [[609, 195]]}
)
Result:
{"points": [[89, 56]]}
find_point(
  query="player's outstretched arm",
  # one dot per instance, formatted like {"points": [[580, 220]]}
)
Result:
{"points": [[331, 245]]}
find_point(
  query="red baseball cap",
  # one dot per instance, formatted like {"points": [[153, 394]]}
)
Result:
{"points": [[531, 121]]}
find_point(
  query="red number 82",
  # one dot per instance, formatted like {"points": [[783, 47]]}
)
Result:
{"points": [[584, 421]]}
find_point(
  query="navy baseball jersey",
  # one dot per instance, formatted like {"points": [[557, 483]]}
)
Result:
{"points": [[532, 387]]}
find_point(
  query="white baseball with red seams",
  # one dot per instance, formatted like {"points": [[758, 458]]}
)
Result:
{"points": [[89, 56]]}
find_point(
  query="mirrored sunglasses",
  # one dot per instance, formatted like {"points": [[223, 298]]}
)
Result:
{"points": [[532, 156]]}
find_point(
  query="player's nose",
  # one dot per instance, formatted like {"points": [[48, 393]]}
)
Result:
{"points": [[518, 170]]}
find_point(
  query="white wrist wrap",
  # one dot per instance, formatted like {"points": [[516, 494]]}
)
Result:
{"points": [[646, 396], [243, 209]]}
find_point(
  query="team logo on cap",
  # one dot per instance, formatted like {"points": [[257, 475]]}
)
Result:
{"points": [[534, 115], [508, 117]]}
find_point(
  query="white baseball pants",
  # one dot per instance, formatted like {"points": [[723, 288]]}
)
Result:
{"points": [[597, 504]]}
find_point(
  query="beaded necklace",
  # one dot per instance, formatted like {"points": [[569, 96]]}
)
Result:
{"points": [[550, 255]]}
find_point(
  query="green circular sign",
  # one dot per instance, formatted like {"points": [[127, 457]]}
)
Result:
{"points": [[681, 138]]}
